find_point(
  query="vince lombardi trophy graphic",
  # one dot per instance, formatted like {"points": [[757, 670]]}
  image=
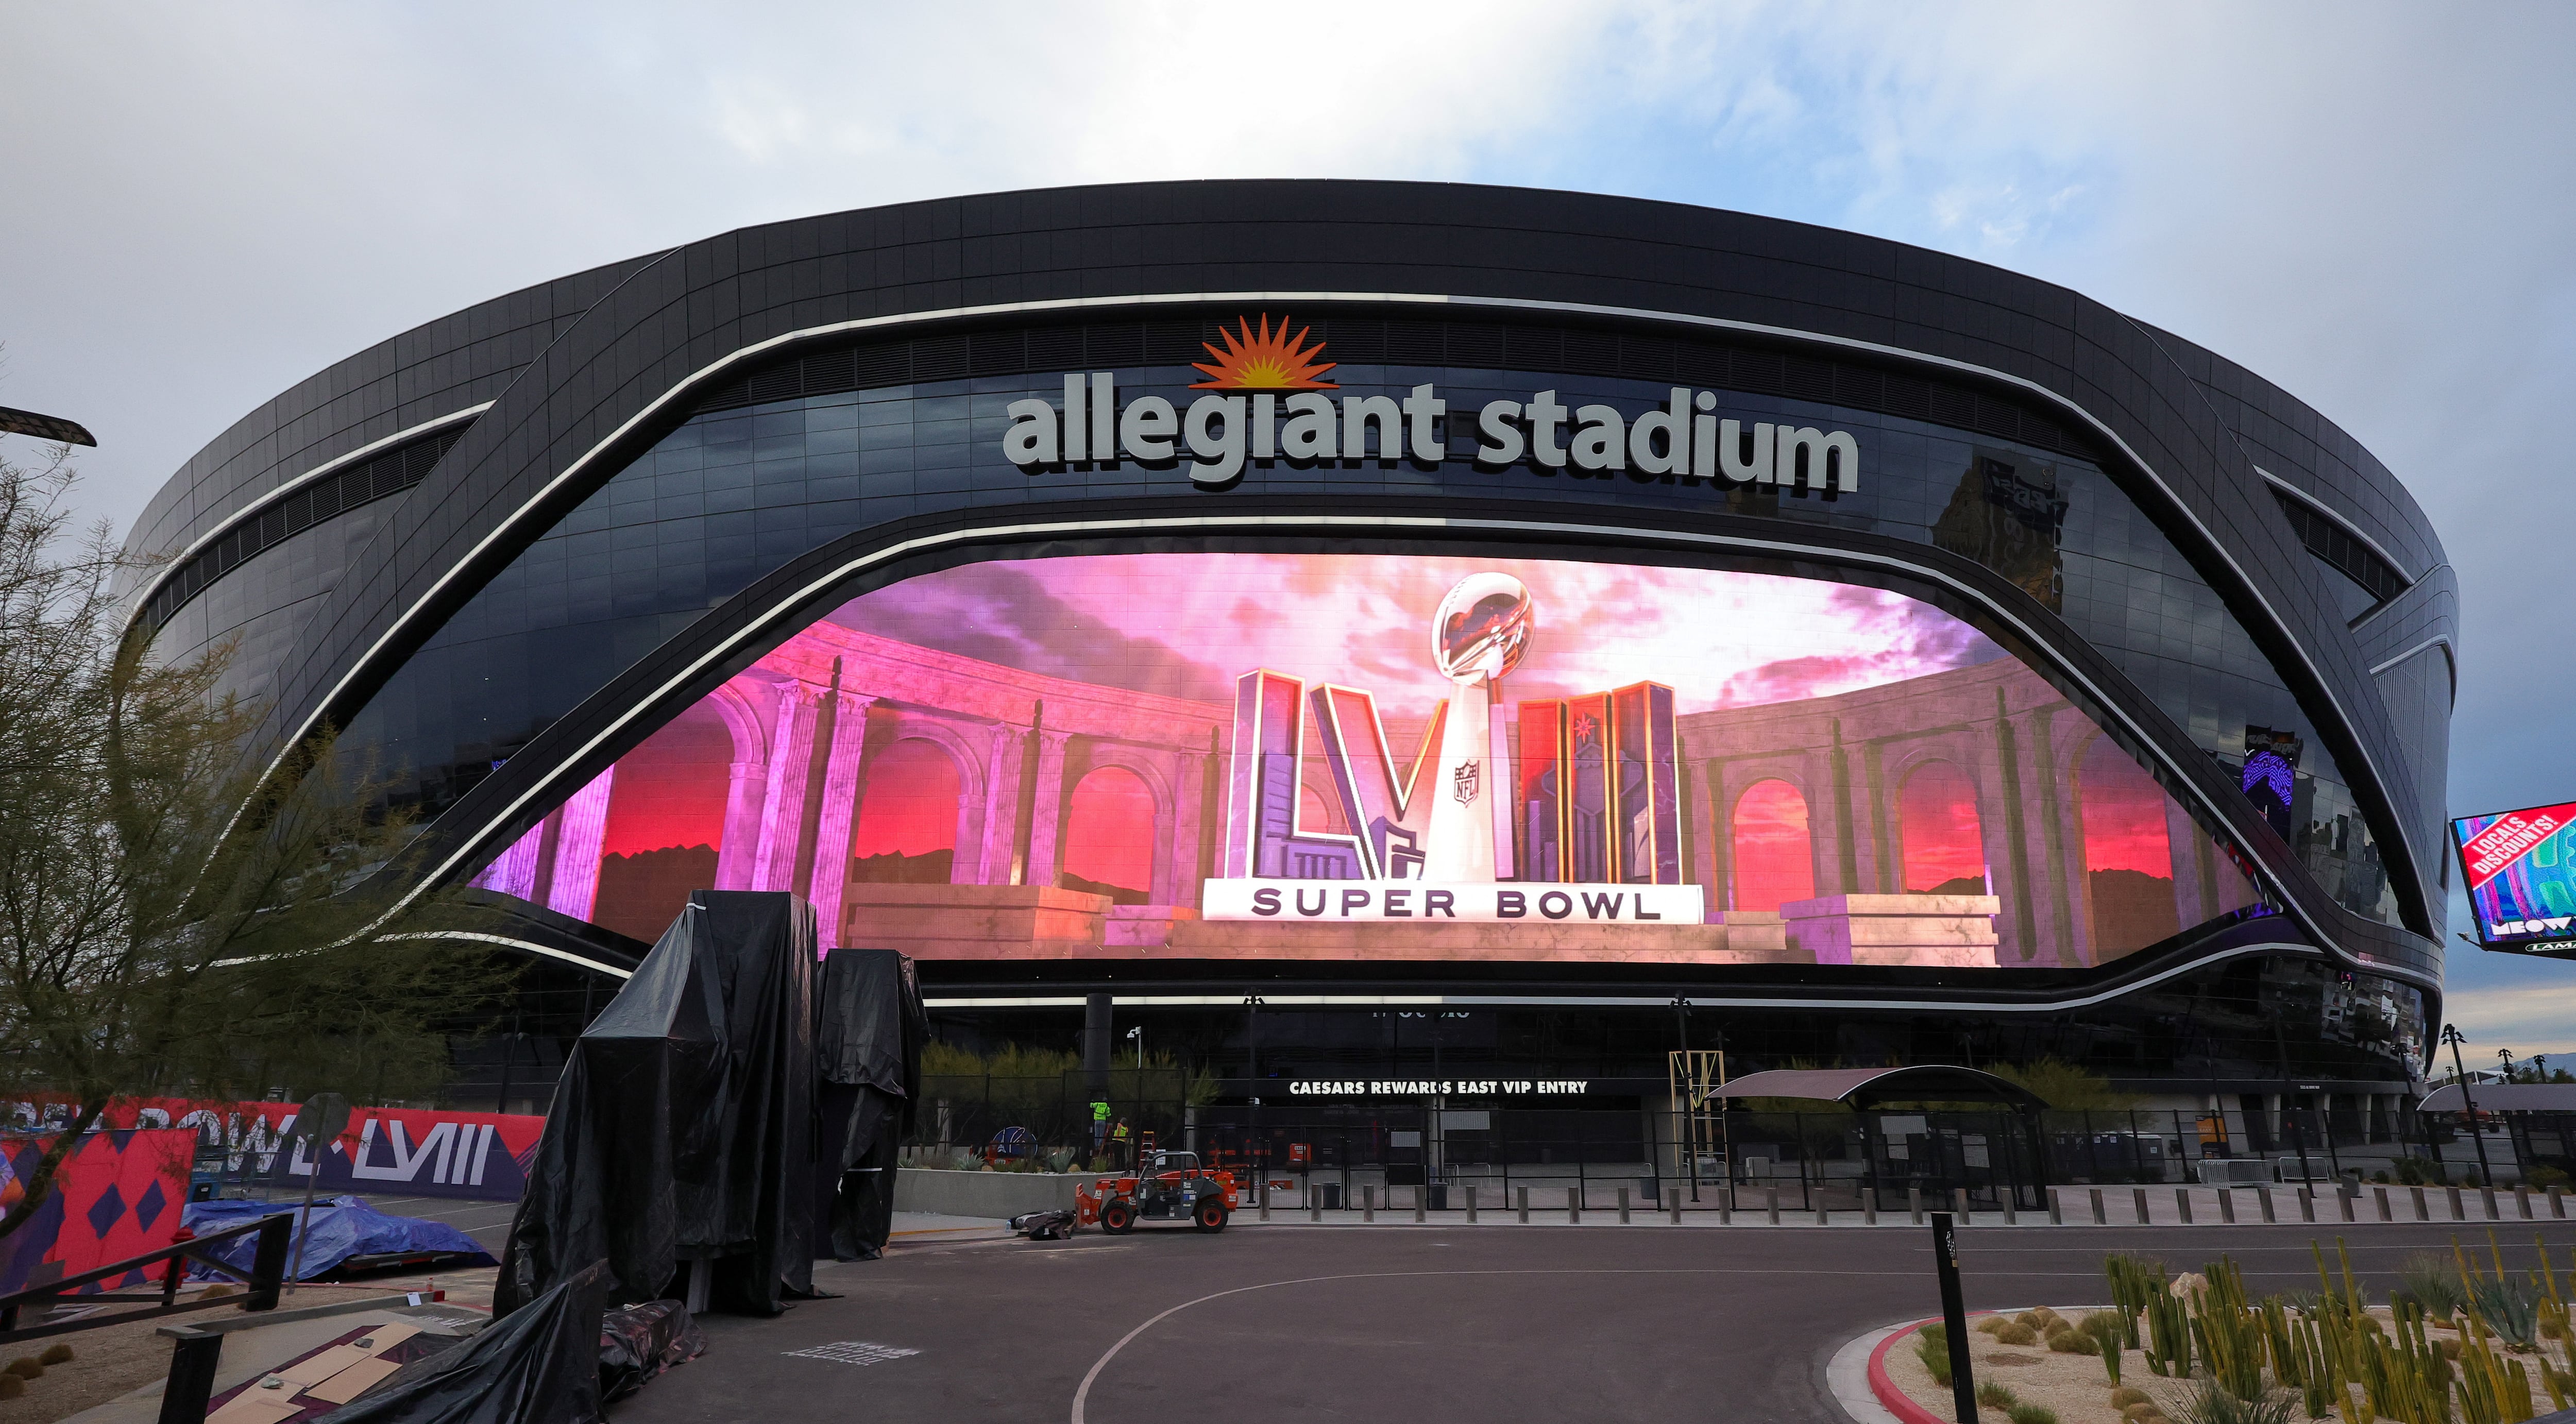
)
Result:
{"points": [[1478, 636]]}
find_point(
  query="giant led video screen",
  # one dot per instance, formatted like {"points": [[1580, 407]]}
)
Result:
{"points": [[1371, 757], [2520, 869]]}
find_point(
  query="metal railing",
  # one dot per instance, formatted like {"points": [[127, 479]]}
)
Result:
{"points": [[265, 1277]]}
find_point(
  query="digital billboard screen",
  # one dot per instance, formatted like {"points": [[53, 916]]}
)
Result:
{"points": [[2520, 870], [1350, 756]]}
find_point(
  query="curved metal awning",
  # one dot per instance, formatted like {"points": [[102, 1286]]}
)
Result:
{"points": [[2503, 1097], [1868, 1087]]}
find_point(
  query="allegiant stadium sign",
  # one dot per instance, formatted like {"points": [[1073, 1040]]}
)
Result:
{"points": [[1266, 401]]}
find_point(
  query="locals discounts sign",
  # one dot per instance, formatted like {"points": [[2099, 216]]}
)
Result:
{"points": [[2520, 871]]}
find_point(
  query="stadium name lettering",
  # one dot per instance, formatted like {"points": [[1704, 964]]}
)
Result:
{"points": [[1682, 441], [1433, 1087]]}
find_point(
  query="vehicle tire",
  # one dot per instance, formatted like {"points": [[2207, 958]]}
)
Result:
{"points": [[1117, 1218], [1210, 1215]]}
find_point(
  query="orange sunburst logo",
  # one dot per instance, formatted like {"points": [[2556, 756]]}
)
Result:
{"points": [[1264, 361]]}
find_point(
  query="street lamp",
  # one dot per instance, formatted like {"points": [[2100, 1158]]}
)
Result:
{"points": [[2507, 1055], [2468, 1111], [1138, 1033]]}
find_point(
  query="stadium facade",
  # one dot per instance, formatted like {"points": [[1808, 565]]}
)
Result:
{"points": [[1483, 631]]}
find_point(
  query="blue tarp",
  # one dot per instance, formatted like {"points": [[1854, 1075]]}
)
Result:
{"points": [[342, 1227]]}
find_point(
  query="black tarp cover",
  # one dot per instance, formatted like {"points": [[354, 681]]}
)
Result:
{"points": [[868, 1032], [683, 1127], [540, 1366]]}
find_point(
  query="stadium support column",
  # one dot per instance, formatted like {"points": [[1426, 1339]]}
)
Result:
{"points": [[1095, 1047], [844, 784], [782, 813], [1001, 806]]}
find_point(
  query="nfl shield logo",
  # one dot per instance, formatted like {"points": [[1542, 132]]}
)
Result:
{"points": [[1466, 777]]}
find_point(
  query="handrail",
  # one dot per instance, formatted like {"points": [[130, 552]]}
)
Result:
{"points": [[267, 1274]]}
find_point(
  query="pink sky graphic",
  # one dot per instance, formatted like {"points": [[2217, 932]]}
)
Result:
{"points": [[1187, 625]]}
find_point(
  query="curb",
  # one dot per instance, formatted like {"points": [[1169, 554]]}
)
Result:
{"points": [[1892, 1399]]}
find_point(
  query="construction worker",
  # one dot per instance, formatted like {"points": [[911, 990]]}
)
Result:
{"points": [[1118, 1144]]}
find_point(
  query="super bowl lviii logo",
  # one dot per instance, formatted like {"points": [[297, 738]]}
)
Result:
{"points": [[1264, 399], [1463, 829]]}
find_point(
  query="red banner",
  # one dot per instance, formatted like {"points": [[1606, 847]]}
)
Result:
{"points": [[385, 1152], [2492, 851], [118, 1194]]}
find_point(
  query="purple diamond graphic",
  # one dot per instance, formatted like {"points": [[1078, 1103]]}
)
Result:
{"points": [[147, 1208], [104, 1212]]}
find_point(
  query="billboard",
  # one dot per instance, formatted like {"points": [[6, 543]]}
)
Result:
{"points": [[1348, 756], [2520, 870]]}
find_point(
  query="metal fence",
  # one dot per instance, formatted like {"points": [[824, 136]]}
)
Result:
{"points": [[1306, 1153]]}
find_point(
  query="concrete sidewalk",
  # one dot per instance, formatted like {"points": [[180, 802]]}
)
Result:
{"points": [[2122, 1205]]}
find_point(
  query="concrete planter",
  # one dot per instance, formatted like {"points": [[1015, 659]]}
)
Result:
{"points": [[990, 1194]]}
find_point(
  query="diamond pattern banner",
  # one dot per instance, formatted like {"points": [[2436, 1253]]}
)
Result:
{"points": [[110, 1200]]}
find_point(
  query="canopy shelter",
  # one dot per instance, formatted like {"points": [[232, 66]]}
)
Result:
{"points": [[1868, 1087], [2503, 1097]]}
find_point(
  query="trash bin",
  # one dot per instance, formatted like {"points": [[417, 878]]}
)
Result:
{"points": [[1328, 1195]]}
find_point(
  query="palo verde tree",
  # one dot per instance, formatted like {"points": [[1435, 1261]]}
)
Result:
{"points": [[177, 917]]}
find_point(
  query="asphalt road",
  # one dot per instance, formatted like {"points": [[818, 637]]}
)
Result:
{"points": [[1422, 1324]]}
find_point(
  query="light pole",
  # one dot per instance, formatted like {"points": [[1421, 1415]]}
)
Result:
{"points": [[2468, 1111], [1138, 1033], [2507, 1055]]}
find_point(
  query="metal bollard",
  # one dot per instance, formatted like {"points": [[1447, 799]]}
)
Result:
{"points": [[1623, 1206], [1421, 1203], [1524, 1206], [1368, 1203], [2012, 1207], [1960, 1195], [1820, 1210], [2182, 1203], [2384, 1213], [1726, 1206], [1471, 1206], [1914, 1203], [1265, 1206], [2558, 1201], [2522, 1200], [2056, 1206], [2343, 1204], [2459, 1209], [1314, 1203], [1574, 1206], [2487, 1195], [1771, 1202], [1869, 1206], [2141, 1194], [2307, 1203], [1675, 1197], [2265, 1195], [2423, 1212], [2100, 1217], [2227, 1205]]}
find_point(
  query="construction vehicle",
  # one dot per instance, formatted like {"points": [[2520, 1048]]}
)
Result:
{"points": [[1166, 1186]]}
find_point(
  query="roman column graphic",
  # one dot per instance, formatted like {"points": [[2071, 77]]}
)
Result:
{"points": [[1477, 637]]}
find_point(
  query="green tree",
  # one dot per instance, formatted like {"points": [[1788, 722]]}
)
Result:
{"points": [[176, 917], [2065, 1086]]}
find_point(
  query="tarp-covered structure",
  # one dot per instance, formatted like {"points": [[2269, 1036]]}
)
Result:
{"points": [[540, 1366], [342, 1227], [869, 1028], [683, 1127]]}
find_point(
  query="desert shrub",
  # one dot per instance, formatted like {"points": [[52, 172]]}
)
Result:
{"points": [[24, 1367], [56, 1353], [2209, 1403], [2045, 1317], [1992, 1323], [2430, 1281], [2129, 1394], [1933, 1349], [1995, 1396], [2541, 1179], [2031, 1414], [11, 1386], [2071, 1341], [2031, 1318], [2146, 1413], [2017, 1334]]}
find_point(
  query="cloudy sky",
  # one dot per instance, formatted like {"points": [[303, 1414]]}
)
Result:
{"points": [[2374, 205]]}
